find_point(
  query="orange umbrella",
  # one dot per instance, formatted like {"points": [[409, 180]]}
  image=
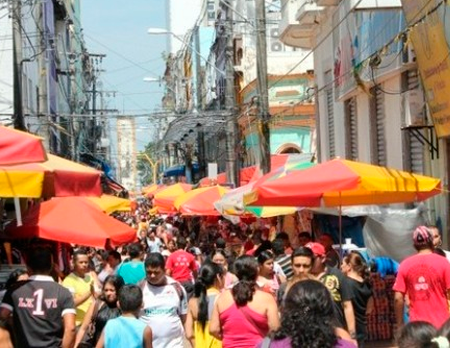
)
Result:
{"points": [[200, 201], [150, 191], [59, 220], [18, 147], [61, 178], [165, 198], [341, 182]]}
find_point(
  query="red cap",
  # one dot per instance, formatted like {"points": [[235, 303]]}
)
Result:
{"points": [[317, 248]]}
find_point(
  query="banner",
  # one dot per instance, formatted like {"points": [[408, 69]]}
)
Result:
{"points": [[433, 58]]}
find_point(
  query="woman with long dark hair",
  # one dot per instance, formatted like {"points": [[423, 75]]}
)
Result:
{"points": [[307, 320], [100, 312], [207, 288], [355, 268], [244, 315], [220, 257], [268, 280]]}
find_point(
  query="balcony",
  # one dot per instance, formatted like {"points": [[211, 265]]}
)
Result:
{"points": [[292, 33], [309, 13]]}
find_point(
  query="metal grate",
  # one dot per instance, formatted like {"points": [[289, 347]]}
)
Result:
{"points": [[351, 129]]}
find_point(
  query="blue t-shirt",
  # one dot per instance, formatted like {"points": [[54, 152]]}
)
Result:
{"points": [[132, 272], [124, 332]]}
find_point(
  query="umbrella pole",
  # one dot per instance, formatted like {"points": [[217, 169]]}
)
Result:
{"points": [[341, 252], [18, 211]]}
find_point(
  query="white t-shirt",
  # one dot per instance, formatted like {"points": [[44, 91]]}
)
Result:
{"points": [[162, 310]]}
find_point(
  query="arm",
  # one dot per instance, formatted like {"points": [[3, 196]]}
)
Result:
{"points": [[215, 328], [399, 302], [69, 330], [273, 318], [169, 267], [101, 340], [148, 337], [4, 313], [86, 321], [349, 317], [370, 306], [5, 339], [80, 299], [189, 325]]}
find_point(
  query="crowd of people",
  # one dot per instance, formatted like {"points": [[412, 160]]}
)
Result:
{"points": [[190, 284]]}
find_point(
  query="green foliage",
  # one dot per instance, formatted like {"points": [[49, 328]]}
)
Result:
{"points": [[145, 171]]}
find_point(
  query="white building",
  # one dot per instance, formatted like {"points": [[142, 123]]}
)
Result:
{"points": [[126, 152], [181, 17], [370, 102]]}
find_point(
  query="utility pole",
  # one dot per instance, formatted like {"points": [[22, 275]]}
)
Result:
{"points": [[19, 122], [96, 60], [262, 86], [232, 165]]}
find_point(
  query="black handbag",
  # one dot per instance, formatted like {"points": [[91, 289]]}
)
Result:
{"points": [[88, 340]]}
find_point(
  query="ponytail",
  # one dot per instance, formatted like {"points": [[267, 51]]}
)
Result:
{"points": [[200, 293], [246, 268], [206, 279], [243, 292]]}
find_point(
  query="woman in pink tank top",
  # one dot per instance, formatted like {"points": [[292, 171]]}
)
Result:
{"points": [[244, 315]]}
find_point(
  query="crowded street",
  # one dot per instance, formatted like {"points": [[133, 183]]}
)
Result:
{"points": [[224, 174]]}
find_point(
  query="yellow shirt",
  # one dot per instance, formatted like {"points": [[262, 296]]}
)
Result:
{"points": [[79, 286], [202, 338]]}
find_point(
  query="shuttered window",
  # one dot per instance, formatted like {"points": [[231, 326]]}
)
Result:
{"points": [[377, 124], [351, 129], [330, 115]]}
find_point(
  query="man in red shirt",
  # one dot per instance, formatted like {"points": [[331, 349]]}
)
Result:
{"points": [[425, 279], [181, 266]]}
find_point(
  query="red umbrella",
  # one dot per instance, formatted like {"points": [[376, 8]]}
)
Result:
{"points": [[72, 220], [18, 147], [252, 173]]}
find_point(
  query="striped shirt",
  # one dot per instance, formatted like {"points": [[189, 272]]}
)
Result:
{"points": [[285, 262]]}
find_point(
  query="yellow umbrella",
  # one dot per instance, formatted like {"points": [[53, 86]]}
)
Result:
{"points": [[165, 198], [110, 204], [21, 183]]}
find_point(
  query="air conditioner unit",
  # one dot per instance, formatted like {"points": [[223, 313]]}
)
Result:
{"points": [[414, 107], [409, 56]]}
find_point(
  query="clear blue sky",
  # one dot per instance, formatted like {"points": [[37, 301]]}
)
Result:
{"points": [[118, 28]]}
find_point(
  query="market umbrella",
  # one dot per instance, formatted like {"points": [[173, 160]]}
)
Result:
{"points": [[232, 203], [72, 220], [150, 191], [252, 173], [165, 198], [110, 204], [17, 147], [200, 201], [55, 177], [342, 182]]}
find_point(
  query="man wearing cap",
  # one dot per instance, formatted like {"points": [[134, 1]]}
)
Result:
{"points": [[337, 284], [425, 279]]}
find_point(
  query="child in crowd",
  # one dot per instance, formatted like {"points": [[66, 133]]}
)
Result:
{"points": [[127, 331]]}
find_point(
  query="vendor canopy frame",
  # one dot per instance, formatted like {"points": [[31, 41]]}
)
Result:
{"points": [[210, 121]]}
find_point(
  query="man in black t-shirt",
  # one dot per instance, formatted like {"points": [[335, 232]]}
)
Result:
{"points": [[43, 311], [337, 283]]}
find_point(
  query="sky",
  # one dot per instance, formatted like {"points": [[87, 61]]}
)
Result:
{"points": [[118, 28]]}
